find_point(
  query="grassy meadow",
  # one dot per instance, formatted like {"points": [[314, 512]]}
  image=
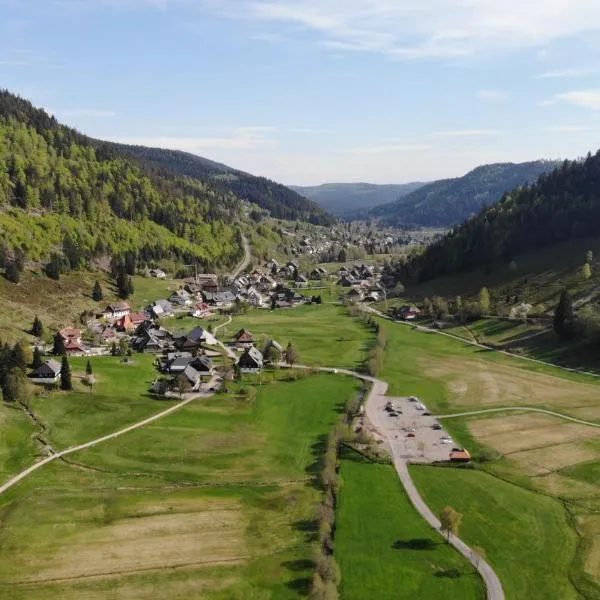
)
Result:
{"points": [[385, 549], [216, 501], [542, 460]]}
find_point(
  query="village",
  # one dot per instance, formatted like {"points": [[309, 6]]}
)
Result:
{"points": [[195, 360]]}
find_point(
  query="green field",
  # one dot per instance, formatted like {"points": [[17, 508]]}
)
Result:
{"points": [[385, 549], [216, 501], [527, 537], [323, 334]]}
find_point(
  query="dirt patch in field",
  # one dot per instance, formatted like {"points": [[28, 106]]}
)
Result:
{"points": [[493, 424], [146, 543], [530, 438], [566, 487], [546, 460], [475, 382]]}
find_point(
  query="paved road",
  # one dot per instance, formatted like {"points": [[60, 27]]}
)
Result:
{"points": [[245, 261], [519, 408], [375, 415]]}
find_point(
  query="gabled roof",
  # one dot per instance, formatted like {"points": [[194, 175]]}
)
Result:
{"points": [[192, 375], [202, 364], [117, 307], [69, 333], [244, 335], [254, 354], [50, 366], [197, 334]]}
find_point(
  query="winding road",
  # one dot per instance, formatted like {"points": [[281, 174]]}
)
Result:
{"points": [[245, 261]]}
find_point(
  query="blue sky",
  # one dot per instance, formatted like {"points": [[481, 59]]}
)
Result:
{"points": [[308, 91]]}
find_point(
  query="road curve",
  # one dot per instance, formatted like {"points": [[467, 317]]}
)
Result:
{"points": [[57, 455], [493, 586], [519, 408]]}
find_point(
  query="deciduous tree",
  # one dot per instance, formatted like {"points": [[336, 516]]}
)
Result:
{"points": [[450, 521]]}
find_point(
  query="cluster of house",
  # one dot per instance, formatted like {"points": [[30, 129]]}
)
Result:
{"points": [[364, 282]]}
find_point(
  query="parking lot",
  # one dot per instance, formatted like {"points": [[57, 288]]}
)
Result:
{"points": [[411, 430]]}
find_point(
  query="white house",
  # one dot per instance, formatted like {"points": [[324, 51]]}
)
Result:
{"points": [[116, 311]]}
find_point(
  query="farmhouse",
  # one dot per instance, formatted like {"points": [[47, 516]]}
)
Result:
{"points": [[46, 374], [408, 313], [158, 273], [160, 308], [244, 338], [180, 298], [116, 311], [130, 321], [219, 299], [72, 339], [301, 281], [251, 361]]}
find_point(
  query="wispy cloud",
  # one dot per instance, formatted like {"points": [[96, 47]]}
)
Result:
{"points": [[270, 38], [240, 139], [465, 133], [572, 128], [430, 28], [567, 73], [391, 149], [581, 98], [492, 95], [84, 112]]}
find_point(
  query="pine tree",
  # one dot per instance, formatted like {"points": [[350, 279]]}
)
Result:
{"points": [[37, 329], [13, 385], [484, 300], [97, 294], [18, 358], [65, 375], [586, 271], [12, 273], [564, 316], [37, 358], [88, 368], [129, 286], [58, 348]]}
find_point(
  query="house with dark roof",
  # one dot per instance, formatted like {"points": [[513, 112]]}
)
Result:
{"points": [[160, 308], [46, 374], [408, 312], [251, 361], [301, 281], [180, 298]]}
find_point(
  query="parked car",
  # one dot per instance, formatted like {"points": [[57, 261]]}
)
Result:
{"points": [[410, 434], [446, 441], [413, 399], [392, 414], [426, 414], [437, 426]]}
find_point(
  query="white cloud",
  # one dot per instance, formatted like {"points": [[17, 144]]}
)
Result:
{"points": [[84, 112], [567, 73], [430, 28], [466, 133], [572, 128], [491, 95], [392, 149], [269, 38], [582, 98], [242, 138]]}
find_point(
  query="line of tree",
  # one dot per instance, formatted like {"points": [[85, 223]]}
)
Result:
{"points": [[13, 364], [562, 205]]}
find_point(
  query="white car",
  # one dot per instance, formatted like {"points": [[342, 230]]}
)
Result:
{"points": [[420, 406], [446, 441]]}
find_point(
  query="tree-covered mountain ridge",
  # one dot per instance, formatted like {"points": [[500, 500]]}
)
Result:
{"points": [[562, 205], [448, 202], [282, 202], [355, 200], [63, 193]]}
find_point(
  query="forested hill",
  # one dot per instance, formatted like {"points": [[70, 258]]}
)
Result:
{"points": [[448, 202], [354, 200], [281, 201], [66, 200], [562, 205]]}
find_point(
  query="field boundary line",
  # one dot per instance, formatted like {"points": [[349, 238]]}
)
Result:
{"points": [[518, 408]]}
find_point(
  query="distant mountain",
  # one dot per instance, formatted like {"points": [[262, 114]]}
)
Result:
{"points": [[563, 205], [448, 202], [350, 199], [281, 201]]}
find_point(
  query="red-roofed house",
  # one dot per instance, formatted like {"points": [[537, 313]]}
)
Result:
{"points": [[244, 338]]}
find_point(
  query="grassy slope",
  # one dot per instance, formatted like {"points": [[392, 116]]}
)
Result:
{"points": [[433, 367], [322, 334], [59, 303], [526, 536], [375, 528], [222, 442]]}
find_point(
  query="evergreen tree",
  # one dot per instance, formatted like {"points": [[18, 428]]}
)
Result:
{"points": [[291, 355], [88, 368], [130, 286], [564, 316], [54, 267], [589, 257], [14, 385], [65, 374], [97, 294], [37, 358], [124, 285], [12, 273], [586, 271], [58, 349], [113, 349], [37, 329], [18, 358]]}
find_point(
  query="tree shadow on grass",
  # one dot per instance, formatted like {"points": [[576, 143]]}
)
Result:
{"points": [[416, 544], [449, 574], [308, 526], [302, 564], [301, 585]]}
